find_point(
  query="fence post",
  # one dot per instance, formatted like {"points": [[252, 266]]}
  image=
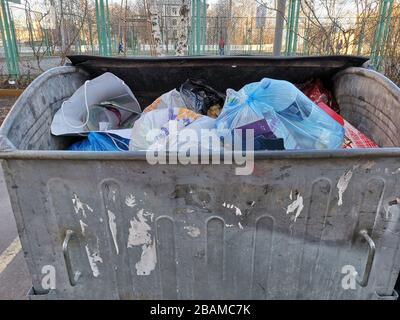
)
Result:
{"points": [[9, 40], [198, 26], [296, 27], [108, 29], [386, 33], [98, 27], [103, 28], [382, 32], [288, 27], [292, 27]]}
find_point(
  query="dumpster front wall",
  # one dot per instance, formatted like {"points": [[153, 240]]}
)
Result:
{"points": [[200, 232]]}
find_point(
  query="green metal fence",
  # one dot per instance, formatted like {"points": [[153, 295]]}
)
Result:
{"points": [[9, 41], [102, 32]]}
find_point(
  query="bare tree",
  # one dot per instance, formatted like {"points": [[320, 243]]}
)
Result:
{"points": [[34, 22], [332, 26], [70, 17]]}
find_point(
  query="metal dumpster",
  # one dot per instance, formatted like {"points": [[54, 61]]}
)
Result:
{"points": [[304, 225]]}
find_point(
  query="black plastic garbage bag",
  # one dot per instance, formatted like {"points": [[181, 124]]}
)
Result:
{"points": [[201, 98]]}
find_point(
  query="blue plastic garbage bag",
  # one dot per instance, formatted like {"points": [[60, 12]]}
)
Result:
{"points": [[277, 109], [101, 142]]}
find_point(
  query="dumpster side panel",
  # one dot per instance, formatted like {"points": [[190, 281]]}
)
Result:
{"points": [[371, 102], [200, 232], [28, 124]]}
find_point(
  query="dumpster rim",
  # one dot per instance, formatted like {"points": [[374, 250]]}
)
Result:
{"points": [[258, 155]]}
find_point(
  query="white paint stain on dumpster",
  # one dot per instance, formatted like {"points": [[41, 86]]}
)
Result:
{"points": [[148, 260], [296, 206], [79, 206], [369, 165], [238, 212], [113, 229], [130, 201], [139, 235], [194, 232], [139, 231], [94, 258], [342, 185], [83, 227]]}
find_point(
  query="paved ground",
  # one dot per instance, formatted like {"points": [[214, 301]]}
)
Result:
{"points": [[14, 277]]}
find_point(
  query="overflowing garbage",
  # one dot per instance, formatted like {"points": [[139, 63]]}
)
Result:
{"points": [[106, 116]]}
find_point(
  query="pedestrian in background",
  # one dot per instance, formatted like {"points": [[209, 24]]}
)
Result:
{"points": [[222, 46], [120, 48]]}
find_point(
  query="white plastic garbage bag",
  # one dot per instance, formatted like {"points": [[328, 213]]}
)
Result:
{"points": [[200, 136], [171, 99], [153, 127], [73, 116]]}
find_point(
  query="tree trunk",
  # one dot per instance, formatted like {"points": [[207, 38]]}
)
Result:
{"points": [[155, 29], [183, 26]]}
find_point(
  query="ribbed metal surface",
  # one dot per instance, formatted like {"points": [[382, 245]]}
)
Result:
{"points": [[175, 232]]}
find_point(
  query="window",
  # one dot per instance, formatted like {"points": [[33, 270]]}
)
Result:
{"points": [[174, 22], [175, 34], [174, 11]]}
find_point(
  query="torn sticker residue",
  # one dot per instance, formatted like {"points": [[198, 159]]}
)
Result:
{"points": [[79, 206], [94, 258], [343, 184], [139, 235], [113, 228], [296, 207], [194, 232]]}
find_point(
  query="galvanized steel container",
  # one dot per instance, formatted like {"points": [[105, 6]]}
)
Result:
{"points": [[114, 227]]}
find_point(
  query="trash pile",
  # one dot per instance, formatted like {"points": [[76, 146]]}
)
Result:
{"points": [[106, 115]]}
